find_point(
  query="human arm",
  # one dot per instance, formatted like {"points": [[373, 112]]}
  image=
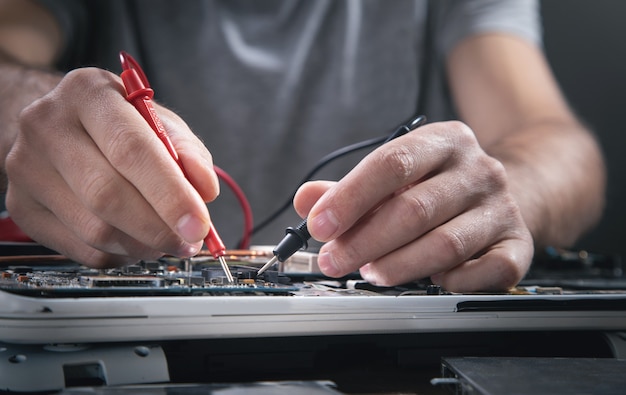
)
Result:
{"points": [[506, 93], [86, 175], [459, 205], [28, 36]]}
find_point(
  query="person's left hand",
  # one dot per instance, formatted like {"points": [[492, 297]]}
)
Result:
{"points": [[432, 204]]}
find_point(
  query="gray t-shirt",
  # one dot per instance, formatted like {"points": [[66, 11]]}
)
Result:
{"points": [[271, 86]]}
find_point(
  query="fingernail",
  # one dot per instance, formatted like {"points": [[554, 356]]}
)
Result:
{"points": [[189, 250], [325, 225], [367, 274], [327, 264], [214, 176], [191, 228], [365, 271]]}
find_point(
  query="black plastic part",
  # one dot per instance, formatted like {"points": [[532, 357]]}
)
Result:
{"points": [[295, 239], [405, 128]]}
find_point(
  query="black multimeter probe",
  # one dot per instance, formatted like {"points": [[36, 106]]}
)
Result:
{"points": [[297, 238]]}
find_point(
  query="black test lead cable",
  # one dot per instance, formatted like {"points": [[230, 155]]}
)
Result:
{"points": [[297, 238], [309, 176]]}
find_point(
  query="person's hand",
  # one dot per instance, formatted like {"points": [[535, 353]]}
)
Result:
{"points": [[432, 204], [90, 179]]}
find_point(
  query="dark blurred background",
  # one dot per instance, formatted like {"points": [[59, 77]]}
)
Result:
{"points": [[585, 42]]}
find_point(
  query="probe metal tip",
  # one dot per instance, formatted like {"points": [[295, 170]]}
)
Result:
{"points": [[267, 265], [229, 275]]}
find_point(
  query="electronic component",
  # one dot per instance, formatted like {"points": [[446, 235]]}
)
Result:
{"points": [[43, 274], [55, 276]]}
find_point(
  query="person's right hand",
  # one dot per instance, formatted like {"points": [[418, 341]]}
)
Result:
{"points": [[90, 179]]}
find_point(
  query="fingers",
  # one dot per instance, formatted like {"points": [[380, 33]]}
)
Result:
{"points": [[454, 255], [101, 247], [499, 269], [132, 149], [308, 194], [395, 165], [47, 210], [195, 157], [397, 222], [86, 157], [431, 203]]}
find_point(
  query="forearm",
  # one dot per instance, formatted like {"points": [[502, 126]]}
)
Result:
{"points": [[505, 91], [20, 86], [557, 174]]}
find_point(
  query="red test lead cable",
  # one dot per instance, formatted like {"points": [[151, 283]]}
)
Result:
{"points": [[139, 94]]}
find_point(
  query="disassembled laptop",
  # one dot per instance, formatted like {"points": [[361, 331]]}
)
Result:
{"points": [[79, 324]]}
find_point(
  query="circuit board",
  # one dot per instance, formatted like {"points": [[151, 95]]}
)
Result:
{"points": [[57, 276], [51, 276]]}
